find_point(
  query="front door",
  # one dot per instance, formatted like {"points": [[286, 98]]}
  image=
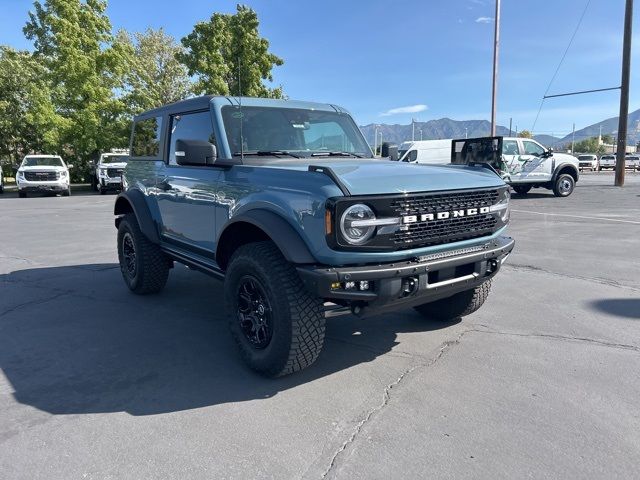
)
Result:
{"points": [[187, 194], [533, 164]]}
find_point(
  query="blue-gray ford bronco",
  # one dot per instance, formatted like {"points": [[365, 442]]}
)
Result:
{"points": [[284, 201]]}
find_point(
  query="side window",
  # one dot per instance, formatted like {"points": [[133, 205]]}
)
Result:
{"points": [[146, 137], [532, 148], [510, 147], [190, 126]]}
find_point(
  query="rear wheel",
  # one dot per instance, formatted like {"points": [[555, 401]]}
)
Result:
{"points": [[522, 189], [144, 267], [459, 305], [278, 325], [564, 185]]}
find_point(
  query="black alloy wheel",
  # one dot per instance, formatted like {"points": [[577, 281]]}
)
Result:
{"points": [[254, 312], [129, 255]]}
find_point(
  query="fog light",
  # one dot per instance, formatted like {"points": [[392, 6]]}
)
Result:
{"points": [[409, 286], [349, 285], [335, 285], [364, 285]]}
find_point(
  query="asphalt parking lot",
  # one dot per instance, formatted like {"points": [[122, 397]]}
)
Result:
{"points": [[542, 382]]}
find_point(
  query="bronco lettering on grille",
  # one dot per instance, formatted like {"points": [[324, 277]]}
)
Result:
{"points": [[429, 217]]}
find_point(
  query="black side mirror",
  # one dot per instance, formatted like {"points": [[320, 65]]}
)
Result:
{"points": [[548, 153], [195, 152]]}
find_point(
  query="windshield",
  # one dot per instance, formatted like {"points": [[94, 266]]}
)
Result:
{"points": [[301, 132], [585, 157], [115, 159], [42, 162]]}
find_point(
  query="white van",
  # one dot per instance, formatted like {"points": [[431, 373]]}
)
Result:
{"points": [[425, 151]]}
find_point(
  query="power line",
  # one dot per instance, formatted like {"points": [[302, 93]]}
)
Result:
{"points": [[561, 61]]}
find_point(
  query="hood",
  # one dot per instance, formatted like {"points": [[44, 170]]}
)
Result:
{"points": [[43, 168], [113, 165], [565, 158], [370, 177]]}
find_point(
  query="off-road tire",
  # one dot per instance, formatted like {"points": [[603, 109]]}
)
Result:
{"points": [[296, 316], [522, 189], [564, 185], [459, 305], [151, 264], [22, 194]]}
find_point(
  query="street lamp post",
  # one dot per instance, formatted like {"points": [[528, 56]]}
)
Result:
{"points": [[494, 89]]}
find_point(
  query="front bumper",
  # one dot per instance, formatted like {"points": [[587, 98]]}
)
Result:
{"points": [[111, 182], [408, 283], [26, 186]]}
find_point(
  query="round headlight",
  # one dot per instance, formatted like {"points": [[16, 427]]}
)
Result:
{"points": [[351, 224]]}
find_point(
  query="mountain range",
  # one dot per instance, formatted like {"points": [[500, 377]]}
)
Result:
{"points": [[447, 128]]}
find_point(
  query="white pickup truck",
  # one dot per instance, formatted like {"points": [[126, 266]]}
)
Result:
{"points": [[607, 161], [43, 174], [108, 175], [522, 163]]}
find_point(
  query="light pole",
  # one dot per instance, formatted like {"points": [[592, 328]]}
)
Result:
{"points": [[496, 44], [420, 134], [624, 94], [375, 139], [466, 132]]}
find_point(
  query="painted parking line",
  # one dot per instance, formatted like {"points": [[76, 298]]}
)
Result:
{"points": [[576, 216]]}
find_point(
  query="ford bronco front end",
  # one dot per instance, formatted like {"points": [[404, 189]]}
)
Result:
{"points": [[284, 202]]}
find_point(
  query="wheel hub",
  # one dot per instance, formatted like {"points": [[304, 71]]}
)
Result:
{"points": [[129, 254], [254, 312]]}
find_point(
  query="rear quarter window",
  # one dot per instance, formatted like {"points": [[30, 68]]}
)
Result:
{"points": [[146, 138]]}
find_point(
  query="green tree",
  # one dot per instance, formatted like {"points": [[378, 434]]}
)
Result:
{"points": [[607, 138], [228, 48], [525, 134], [85, 65], [589, 145], [155, 77], [28, 122]]}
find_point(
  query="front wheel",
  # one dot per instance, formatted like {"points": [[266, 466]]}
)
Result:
{"points": [[67, 192], [278, 325], [522, 189], [144, 267], [564, 185], [459, 305], [22, 194]]}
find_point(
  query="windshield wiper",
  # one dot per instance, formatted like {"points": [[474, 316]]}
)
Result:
{"points": [[336, 154], [267, 153]]}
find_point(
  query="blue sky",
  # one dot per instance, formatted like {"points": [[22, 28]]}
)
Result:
{"points": [[378, 57]]}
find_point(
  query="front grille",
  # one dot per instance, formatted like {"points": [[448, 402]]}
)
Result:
{"points": [[114, 172], [41, 176], [437, 232]]}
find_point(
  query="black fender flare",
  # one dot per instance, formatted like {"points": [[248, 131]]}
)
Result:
{"points": [[292, 246], [558, 168], [133, 200]]}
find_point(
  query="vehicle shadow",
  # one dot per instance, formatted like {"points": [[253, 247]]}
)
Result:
{"points": [[620, 307], [74, 340], [531, 195]]}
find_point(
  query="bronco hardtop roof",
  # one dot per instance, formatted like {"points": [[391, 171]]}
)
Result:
{"points": [[203, 102]]}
